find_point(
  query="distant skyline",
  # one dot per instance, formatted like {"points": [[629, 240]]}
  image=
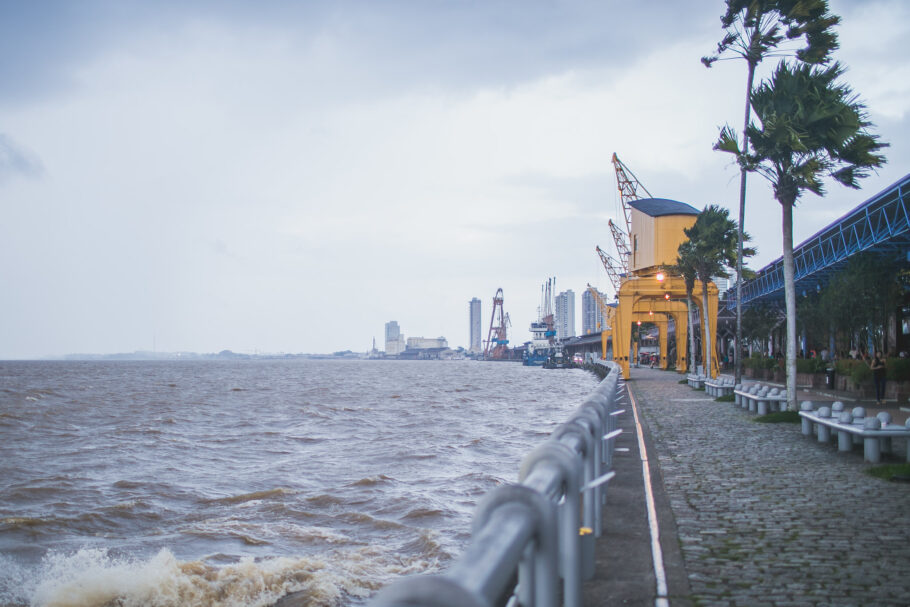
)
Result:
{"points": [[287, 176]]}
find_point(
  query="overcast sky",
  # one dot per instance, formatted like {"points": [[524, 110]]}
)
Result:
{"points": [[289, 176]]}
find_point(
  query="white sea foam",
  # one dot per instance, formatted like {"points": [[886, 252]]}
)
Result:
{"points": [[94, 578], [16, 582]]}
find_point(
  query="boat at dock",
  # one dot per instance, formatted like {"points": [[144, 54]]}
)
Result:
{"points": [[543, 349]]}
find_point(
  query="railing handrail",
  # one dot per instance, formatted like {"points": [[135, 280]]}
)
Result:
{"points": [[532, 527]]}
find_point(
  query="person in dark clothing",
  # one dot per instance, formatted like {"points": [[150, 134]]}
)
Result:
{"points": [[879, 372]]}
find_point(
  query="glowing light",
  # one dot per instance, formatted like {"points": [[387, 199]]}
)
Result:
{"points": [[660, 277]]}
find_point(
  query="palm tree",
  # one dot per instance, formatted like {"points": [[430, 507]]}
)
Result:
{"points": [[713, 242], [685, 267], [808, 126], [754, 30]]}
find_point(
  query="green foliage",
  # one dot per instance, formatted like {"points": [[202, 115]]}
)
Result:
{"points": [[898, 369], [808, 126], [755, 28], [758, 362], [860, 299], [726, 398], [860, 373], [712, 243], [811, 365], [758, 322], [754, 362], [890, 472]]}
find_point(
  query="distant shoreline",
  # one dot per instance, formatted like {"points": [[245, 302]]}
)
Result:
{"points": [[144, 356]]}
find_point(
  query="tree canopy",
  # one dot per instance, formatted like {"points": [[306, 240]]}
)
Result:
{"points": [[808, 127]]}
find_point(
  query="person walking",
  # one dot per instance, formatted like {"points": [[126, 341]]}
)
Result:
{"points": [[879, 373]]}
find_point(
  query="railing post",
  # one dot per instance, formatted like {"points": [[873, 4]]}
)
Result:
{"points": [[537, 578], [569, 465]]}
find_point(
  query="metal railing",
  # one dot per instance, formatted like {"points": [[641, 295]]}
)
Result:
{"points": [[541, 529]]}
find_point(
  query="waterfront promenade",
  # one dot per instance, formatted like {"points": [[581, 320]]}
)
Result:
{"points": [[749, 514]]}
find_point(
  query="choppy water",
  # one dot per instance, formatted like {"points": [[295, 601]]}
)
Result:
{"points": [[234, 483]]}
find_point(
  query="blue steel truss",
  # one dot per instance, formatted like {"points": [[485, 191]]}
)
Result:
{"points": [[881, 224]]}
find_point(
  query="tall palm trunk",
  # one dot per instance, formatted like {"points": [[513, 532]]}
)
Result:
{"points": [[707, 332], [790, 299], [738, 365]]}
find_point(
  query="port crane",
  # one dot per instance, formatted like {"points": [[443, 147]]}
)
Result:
{"points": [[547, 308], [496, 347], [630, 188]]}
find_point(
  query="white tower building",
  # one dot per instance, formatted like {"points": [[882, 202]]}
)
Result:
{"points": [[592, 317], [565, 314], [476, 327]]}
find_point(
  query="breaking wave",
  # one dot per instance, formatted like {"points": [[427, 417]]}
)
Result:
{"points": [[96, 578]]}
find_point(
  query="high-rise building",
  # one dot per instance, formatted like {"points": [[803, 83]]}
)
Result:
{"points": [[476, 327], [592, 317], [722, 283], [565, 314], [394, 340]]}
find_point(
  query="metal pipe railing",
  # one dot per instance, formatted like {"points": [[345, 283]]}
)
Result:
{"points": [[532, 528]]}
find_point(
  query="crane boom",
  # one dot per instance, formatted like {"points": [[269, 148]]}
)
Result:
{"points": [[629, 189], [614, 268], [621, 240]]}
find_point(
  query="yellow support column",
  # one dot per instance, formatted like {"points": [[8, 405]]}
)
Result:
{"points": [[622, 330], [682, 340]]}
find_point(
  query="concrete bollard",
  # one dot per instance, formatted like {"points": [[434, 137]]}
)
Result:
{"points": [[871, 447], [806, 422], [859, 414], [824, 432], [844, 438], [884, 442]]}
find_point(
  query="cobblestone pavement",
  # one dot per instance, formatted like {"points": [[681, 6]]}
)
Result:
{"points": [[767, 516]]}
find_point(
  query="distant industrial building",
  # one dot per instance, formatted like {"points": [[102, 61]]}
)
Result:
{"points": [[565, 315], [394, 340], [427, 343], [422, 348], [476, 327], [592, 317]]}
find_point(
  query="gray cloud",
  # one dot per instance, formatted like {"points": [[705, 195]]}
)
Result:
{"points": [[16, 160]]}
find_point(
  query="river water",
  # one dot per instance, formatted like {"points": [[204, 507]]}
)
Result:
{"points": [[235, 483]]}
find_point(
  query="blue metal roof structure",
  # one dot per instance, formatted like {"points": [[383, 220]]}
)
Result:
{"points": [[657, 207], [880, 225]]}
